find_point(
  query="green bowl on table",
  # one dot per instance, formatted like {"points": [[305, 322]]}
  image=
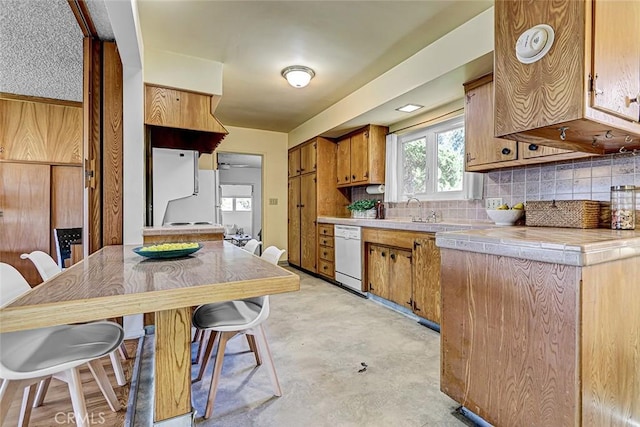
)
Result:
{"points": [[167, 250]]}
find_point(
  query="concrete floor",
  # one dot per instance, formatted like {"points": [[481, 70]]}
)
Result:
{"points": [[319, 338]]}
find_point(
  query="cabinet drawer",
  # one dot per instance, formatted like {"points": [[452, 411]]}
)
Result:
{"points": [[326, 268], [326, 253], [325, 241], [325, 230]]}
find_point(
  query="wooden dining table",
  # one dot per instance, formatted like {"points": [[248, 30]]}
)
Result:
{"points": [[115, 281]]}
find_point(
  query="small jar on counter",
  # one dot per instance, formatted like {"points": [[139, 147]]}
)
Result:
{"points": [[380, 213], [623, 207]]}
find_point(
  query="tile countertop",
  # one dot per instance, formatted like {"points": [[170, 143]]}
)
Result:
{"points": [[407, 224], [183, 229], [568, 246]]}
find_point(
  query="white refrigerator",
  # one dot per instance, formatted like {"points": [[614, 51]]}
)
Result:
{"points": [[183, 194]]}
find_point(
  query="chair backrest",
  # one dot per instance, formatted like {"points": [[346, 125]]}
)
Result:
{"points": [[12, 284], [64, 238], [272, 254], [251, 246], [45, 265]]}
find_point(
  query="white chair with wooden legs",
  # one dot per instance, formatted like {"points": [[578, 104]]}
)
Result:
{"points": [[251, 246], [224, 320], [48, 268], [31, 356]]}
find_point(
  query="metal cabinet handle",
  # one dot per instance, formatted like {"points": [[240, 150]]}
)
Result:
{"points": [[506, 151], [628, 100], [346, 178], [383, 254], [393, 256], [370, 286], [533, 147], [469, 158], [353, 177]]}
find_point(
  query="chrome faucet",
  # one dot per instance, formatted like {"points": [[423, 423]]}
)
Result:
{"points": [[413, 218], [414, 198]]}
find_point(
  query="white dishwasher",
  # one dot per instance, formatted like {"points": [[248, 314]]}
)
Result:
{"points": [[348, 256]]}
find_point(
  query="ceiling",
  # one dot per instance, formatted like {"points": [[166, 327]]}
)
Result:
{"points": [[347, 43]]}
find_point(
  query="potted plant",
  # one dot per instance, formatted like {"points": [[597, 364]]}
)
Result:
{"points": [[365, 208]]}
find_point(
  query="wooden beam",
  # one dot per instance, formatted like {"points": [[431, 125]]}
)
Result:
{"points": [[39, 99], [81, 12]]}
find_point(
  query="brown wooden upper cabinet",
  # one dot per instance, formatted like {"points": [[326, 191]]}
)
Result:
{"points": [[361, 156], [583, 94], [481, 146], [302, 159], [40, 131], [486, 152], [181, 109]]}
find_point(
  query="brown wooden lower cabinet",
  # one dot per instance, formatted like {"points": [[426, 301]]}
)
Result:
{"points": [[528, 343], [35, 199], [404, 267], [326, 251]]}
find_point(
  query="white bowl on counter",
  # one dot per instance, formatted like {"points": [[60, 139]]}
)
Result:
{"points": [[505, 216]]}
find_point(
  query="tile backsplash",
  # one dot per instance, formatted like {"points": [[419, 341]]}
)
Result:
{"points": [[582, 179]]}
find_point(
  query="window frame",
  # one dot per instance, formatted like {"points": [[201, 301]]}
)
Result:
{"points": [[431, 166]]}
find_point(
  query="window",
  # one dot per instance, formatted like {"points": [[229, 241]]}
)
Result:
{"points": [[239, 204], [431, 162]]}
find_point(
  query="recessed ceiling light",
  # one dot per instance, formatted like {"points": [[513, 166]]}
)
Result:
{"points": [[410, 108]]}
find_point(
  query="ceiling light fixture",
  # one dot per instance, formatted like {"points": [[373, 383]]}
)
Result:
{"points": [[298, 75], [409, 108]]}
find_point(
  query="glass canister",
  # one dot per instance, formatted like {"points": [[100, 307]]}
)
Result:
{"points": [[623, 207]]}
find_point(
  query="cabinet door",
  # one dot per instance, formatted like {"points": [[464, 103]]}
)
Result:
{"points": [[616, 53], [180, 109], [67, 188], [308, 221], [360, 158], [378, 271], [25, 203], [308, 158], [481, 146], [162, 106], [293, 240], [426, 279], [40, 132], [344, 162], [294, 163], [400, 277]]}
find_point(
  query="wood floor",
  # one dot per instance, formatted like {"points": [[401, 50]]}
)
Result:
{"points": [[57, 409]]}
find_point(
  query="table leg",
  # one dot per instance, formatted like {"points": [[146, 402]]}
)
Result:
{"points": [[173, 364]]}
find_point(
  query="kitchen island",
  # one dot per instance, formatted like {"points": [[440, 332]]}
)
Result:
{"points": [[541, 326], [115, 281]]}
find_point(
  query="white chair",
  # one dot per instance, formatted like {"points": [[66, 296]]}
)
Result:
{"points": [[251, 246], [48, 268], [224, 320], [28, 357], [45, 265], [272, 254]]}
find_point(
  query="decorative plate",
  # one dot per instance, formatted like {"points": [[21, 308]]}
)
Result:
{"points": [[165, 250]]}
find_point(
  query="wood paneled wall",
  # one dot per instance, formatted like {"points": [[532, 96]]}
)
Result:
{"points": [[66, 200], [112, 139]]}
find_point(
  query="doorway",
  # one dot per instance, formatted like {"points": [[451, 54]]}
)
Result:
{"points": [[240, 189]]}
